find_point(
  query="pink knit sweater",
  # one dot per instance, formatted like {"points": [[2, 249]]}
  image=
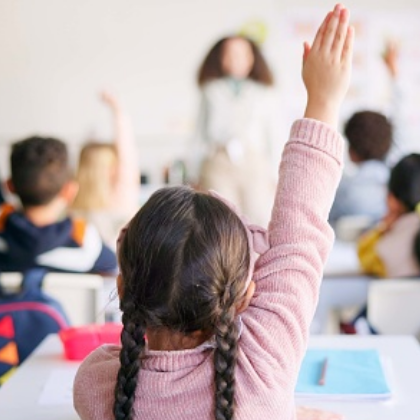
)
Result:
{"points": [[176, 385]]}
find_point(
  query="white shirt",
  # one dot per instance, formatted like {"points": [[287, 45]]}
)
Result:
{"points": [[234, 120]]}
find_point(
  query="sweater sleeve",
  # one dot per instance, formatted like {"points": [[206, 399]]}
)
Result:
{"points": [[288, 275]]}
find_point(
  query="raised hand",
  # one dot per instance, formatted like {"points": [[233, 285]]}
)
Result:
{"points": [[111, 100], [390, 57], [327, 66]]}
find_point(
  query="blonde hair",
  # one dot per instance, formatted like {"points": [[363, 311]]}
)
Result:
{"points": [[97, 168]]}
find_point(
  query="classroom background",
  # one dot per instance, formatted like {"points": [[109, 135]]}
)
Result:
{"points": [[56, 56]]}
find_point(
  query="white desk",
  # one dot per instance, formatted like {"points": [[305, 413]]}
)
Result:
{"points": [[403, 355], [19, 397], [337, 294]]}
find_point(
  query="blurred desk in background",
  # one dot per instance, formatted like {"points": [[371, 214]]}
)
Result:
{"points": [[343, 260], [343, 286], [111, 301]]}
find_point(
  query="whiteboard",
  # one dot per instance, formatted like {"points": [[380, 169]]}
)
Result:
{"points": [[371, 85]]}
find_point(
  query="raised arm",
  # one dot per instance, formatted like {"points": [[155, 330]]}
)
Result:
{"points": [[288, 275], [198, 147], [395, 110], [390, 58], [128, 173]]}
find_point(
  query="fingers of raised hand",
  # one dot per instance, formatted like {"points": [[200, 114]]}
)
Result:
{"points": [[105, 95], [347, 51], [306, 50], [331, 29], [320, 33], [109, 98], [334, 39], [341, 33], [391, 53]]}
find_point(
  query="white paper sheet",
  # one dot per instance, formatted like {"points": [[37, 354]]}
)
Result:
{"points": [[58, 390]]}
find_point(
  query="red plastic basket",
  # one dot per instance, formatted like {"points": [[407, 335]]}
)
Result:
{"points": [[78, 342]]}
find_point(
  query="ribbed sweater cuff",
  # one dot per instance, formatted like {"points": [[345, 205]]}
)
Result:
{"points": [[318, 135]]}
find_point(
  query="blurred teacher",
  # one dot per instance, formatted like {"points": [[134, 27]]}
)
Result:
{"points": [[233, 147]]}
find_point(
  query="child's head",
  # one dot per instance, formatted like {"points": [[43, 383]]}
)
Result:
{"points": [[404, 191], [235, 56], [184, 260], [404, 183], [369, 135], [39, 171], [96, 176]]}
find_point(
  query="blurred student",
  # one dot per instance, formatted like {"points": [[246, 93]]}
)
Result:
{"points": [[226, 332], [235, 145], [109, 178], [375, 144], [40, 234], [392, 249], [363, 192]]}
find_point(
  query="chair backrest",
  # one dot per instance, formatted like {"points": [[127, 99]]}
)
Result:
{"points": [[81, 295], [394, 306]]}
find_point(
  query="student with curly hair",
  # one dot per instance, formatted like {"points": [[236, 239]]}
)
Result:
{"points": [[209, 332], [363, 192]]}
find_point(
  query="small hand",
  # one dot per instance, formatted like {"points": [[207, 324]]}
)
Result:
{"points": [[110, 99], [327, 66], [390, 57]]}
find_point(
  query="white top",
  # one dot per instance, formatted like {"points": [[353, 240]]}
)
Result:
{"points": [[241, 113], [363, 192], [395, 247]]}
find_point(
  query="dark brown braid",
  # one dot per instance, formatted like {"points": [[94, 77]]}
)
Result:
{"points": [[133, 343], [225, 356]]}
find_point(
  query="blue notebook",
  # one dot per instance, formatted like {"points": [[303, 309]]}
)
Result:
{"points": [[348, 374]]}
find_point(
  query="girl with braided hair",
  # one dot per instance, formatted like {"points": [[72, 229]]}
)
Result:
{"points": [[210, 331]]}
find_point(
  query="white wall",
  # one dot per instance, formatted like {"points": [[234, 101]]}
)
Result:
{"points": [[55, 55]]}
